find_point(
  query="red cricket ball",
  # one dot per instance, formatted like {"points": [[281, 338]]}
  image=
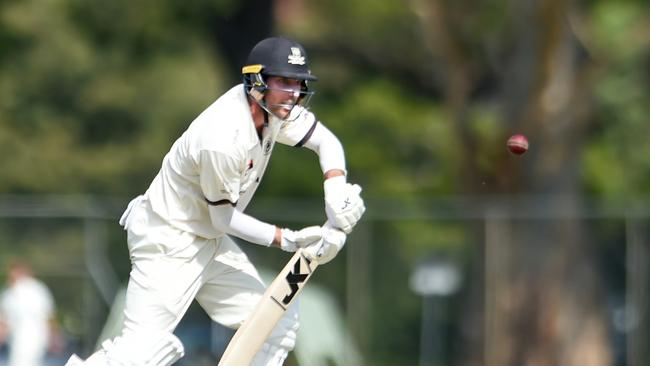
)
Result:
{"points": [[518, 144]]}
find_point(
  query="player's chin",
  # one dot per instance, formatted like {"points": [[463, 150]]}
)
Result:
{"points": [[282, 111]]}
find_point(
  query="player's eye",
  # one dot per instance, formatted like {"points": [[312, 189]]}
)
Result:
{"points": [[289, 83]]}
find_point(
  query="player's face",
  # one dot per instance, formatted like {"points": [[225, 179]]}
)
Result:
{"points": [[282, 95]]}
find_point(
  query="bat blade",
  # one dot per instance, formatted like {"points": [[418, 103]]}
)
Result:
{"points": [[280, 294]]}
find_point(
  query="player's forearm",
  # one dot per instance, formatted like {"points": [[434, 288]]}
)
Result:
{"points": [[229, 220], [329, 149]]}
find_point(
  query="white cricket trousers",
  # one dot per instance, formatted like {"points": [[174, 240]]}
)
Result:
{"points": [[28, 348], [170, 268]]}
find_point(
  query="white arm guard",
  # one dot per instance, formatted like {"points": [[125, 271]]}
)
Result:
{"points": [[328, 147], [229, 220]]}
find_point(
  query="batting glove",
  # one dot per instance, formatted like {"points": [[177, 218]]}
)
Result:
{"points": [[343, 203], [309, 236], [333, 241]]}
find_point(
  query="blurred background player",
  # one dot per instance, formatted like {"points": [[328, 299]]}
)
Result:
{"points": [[26, 316], [179, 230]]}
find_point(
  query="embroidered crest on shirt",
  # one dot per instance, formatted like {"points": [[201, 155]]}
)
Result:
{"points": [[296, 57]]}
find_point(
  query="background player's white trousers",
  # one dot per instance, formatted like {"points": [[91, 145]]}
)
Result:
{"points": [[169, 269], [28, 349]]}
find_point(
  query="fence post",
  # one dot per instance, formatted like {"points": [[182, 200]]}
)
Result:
{"points": [[636, 291], [358, 286]]}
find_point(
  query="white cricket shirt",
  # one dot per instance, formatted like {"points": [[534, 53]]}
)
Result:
{"points": [[219, 157]]}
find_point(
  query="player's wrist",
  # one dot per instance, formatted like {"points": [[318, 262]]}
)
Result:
{"points": [[277, 239], [334, 173]]}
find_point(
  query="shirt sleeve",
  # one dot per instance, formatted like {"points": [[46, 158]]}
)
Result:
{"points": [[220, 176], [297, 132]]}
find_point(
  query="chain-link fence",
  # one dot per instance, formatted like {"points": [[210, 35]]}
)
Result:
{"points": [[454, 281]]}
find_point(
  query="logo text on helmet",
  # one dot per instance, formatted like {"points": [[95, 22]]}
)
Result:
{"points": [[296, 57]]}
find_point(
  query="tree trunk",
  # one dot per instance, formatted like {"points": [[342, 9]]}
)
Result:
{"points": [[542, 297]]}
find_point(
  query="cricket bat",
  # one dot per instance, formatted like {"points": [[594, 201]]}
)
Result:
{"points": [[284, 289]]}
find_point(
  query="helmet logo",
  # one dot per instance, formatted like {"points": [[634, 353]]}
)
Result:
{"points": [[296, 57]]}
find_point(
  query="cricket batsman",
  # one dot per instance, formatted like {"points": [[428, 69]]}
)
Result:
{"points": [[179, 232]]}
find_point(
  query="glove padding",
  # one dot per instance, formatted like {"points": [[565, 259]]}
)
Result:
{"points": [[329, 247], [343, 203], [292, 240]]}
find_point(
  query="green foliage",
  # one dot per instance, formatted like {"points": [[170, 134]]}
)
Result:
{"points": [[487, 126], [93, 94], [617, 159], [88, 112], [396, 142]]}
